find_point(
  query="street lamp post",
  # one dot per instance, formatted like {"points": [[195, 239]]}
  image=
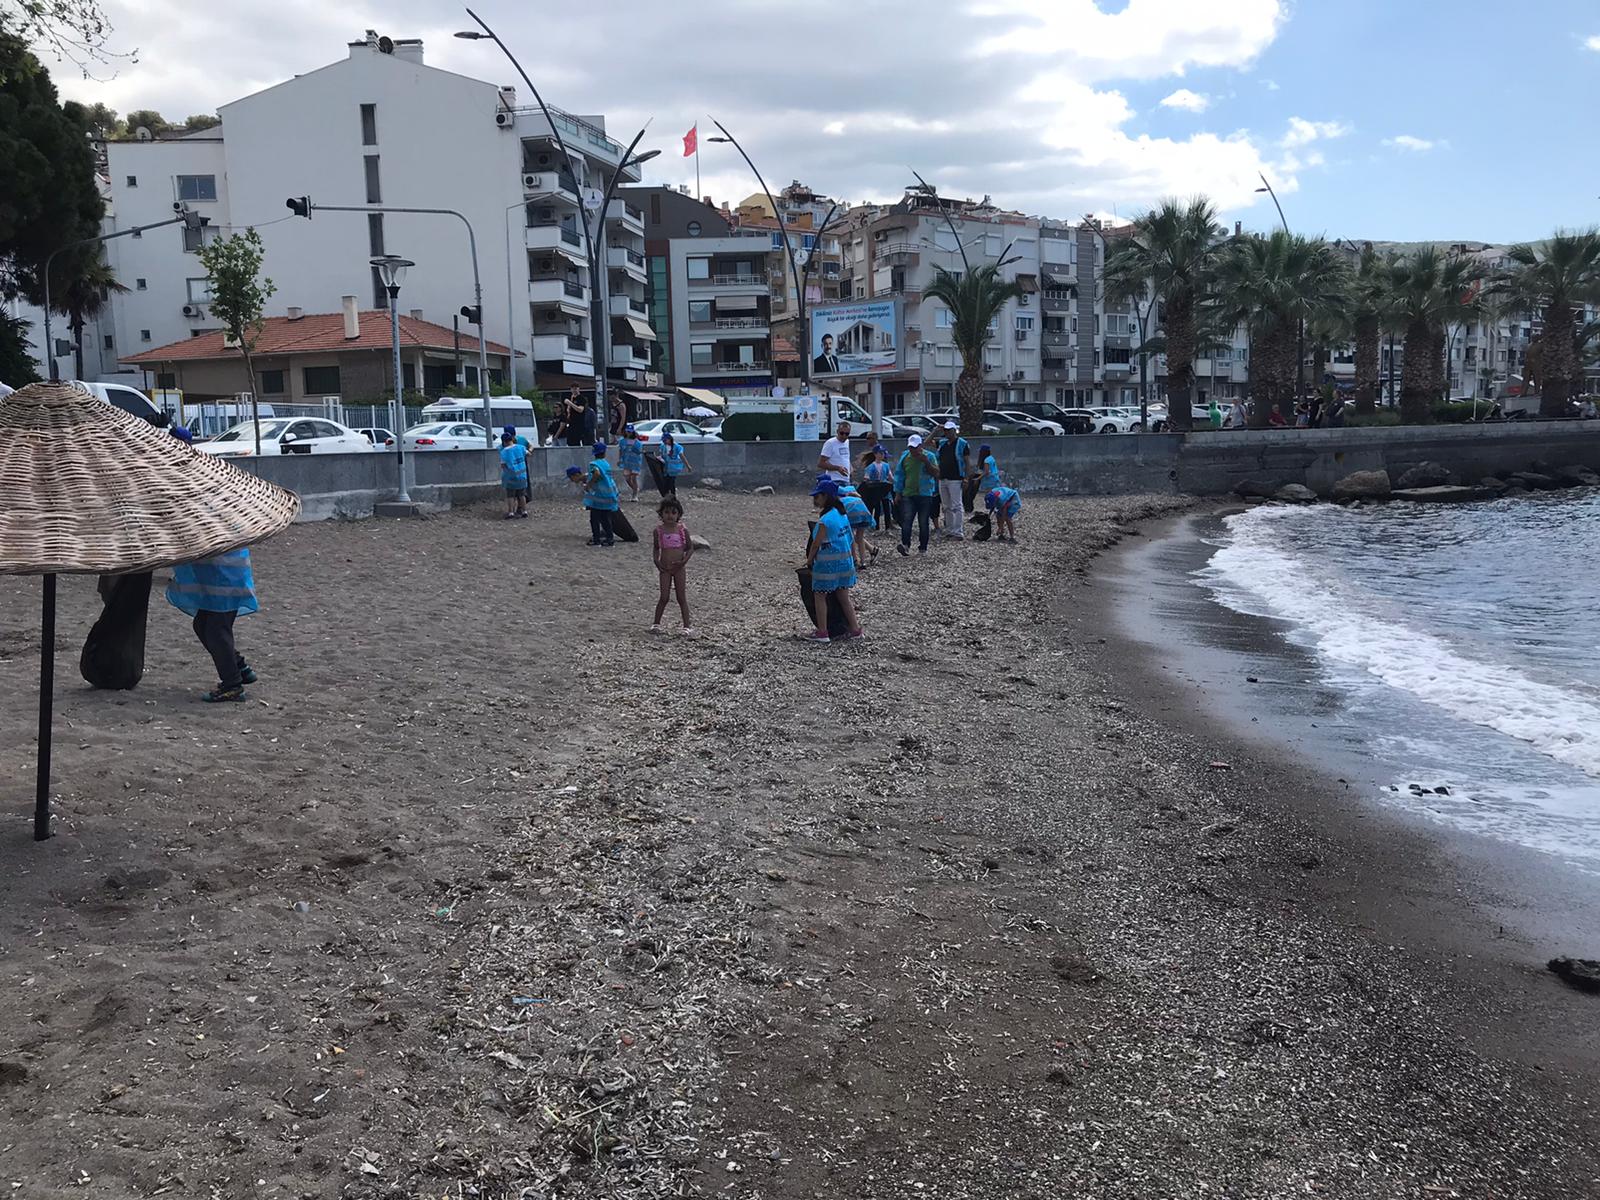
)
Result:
{"points": [[599, 299], [391, 270], [1300, 341]]}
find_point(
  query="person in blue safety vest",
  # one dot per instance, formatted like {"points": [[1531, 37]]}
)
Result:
{"points": [[214, 591]]}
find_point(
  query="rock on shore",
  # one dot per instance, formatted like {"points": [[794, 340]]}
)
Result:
{"points": [[1363, 485]]}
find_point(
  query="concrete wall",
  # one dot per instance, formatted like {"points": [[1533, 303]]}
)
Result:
{"points": [[1203, 464]]}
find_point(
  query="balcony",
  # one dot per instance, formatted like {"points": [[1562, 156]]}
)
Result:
{"points": [[626, 355], [753, 281], [732, 327], [629, 261], [550, 185], [554, 236], [620, 212], [1058, 337], [562, 293], [568, 348], [627, 306], [1118, 370], [759, 366], [896, 253]]}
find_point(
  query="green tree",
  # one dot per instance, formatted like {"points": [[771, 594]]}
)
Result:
{"points": [[239, 295], [974, 300], [1174, 250], [1269, 284], [49, 198], [1369, 310], [1429, 291], [201, 121], [16, 359], [72, 29], [103, 122], [81, 286], [1553, 281], [146, 118]]}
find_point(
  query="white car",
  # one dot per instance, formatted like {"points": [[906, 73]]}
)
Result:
{"points": [[685, 433], [287, 435], [378, 437], [446, 435], [1116, 420], [1025, 422]]}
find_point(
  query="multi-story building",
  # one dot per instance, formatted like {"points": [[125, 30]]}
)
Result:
{"points": [[809, 222], [380, 130]]}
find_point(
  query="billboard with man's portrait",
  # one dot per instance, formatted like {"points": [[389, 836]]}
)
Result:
{"points": [[858, 337]]}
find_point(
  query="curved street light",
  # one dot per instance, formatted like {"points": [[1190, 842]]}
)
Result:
{"points": [[1300, 339], [391, 270]]}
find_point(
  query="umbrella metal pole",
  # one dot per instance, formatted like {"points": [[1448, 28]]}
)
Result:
{"points": [[47, 680]]}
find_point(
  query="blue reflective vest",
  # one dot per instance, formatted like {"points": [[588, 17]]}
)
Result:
{"points": [[601, 492], [674, 460], [630, 454], [220, 584]]}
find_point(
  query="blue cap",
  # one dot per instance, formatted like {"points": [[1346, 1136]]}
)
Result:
{"points": [[825, 487], [182, 434], [630, 429], [880, 448], [598, 449], [983, 449], [574, 471], [511, 429], [992, 500]]}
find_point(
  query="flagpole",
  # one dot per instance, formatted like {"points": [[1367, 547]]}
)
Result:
{"points": [[698, 194]]}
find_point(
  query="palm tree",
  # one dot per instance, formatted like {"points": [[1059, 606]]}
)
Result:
{"points": [[974, 300], [1173, 250], [1269, 284], [1369, 316], [1554, 282], [1429, 291], [83, 294]]}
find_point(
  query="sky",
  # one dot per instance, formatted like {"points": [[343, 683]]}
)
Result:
{"points": [[1383, 119]]}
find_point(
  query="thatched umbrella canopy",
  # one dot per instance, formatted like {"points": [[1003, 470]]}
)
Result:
{"points": [[87, 488]]}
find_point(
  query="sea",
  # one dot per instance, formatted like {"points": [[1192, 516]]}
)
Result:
{"points": [[1462, 643]]}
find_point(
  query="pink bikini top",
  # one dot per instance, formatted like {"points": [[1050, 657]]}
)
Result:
{"points": [[674, 540]]}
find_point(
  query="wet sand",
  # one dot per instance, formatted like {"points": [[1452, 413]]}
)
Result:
{"points": [[488, 889]]}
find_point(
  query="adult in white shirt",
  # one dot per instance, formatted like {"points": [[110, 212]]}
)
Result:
{"points": [[835, 458]]}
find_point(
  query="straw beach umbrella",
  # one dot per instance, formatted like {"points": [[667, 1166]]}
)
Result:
{"points": [[86, 488]]}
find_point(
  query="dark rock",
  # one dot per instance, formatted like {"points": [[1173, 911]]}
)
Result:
{"points": [[1446, 494], [709, 481], [1541, 466], [1262, 488], [12, 1074], [1577, 476], [1295, 493], [1424, 475], [1535, 481], [1490, 484], [1363, 485], [1580, 973]]}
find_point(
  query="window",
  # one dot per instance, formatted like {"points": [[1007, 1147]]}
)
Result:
{"points": [[139, 285], [166, 380], [108, 342], [1074, 324], [320, 381], [1117, 323], [374, 190], [1116, 354], [199, 291], [144, 336], [699, 310], [272, 383], [197, 187], [375, 234], [944, 319], [327, 429], [369, 124], [133, 181], [699, 268], [193, 239], [700, 354], [694, 231], [1024, 323]]}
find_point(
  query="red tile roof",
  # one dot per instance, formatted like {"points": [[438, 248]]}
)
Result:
{"points": [[316, 333], [784, 349]]}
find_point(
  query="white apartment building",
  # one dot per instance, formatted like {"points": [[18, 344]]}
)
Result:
{"points": [[379, 128], [720, 314]]}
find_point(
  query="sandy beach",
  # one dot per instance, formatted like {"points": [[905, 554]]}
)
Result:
{"points": [[489, 892]]}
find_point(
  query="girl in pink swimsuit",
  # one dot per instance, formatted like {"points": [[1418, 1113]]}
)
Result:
{"points": [[672, 549]]}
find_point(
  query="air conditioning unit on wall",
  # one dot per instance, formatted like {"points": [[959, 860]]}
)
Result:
{"points": [[505, 118], [192, 310]]}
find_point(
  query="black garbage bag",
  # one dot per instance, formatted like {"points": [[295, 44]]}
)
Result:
{"points": [[982, 527], [969, 494], [658, 473], [838, 626], [113, 653], [622, 527]]}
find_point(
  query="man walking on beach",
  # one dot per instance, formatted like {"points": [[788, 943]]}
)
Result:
{"points": [[916, 482], [952, 475], [835, 458]]}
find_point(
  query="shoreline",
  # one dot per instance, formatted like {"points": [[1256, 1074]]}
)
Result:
{"points": [[1481, 916]]}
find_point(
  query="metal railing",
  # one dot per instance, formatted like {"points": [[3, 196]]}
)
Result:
{"points": [[754, 279], [742, 368]]}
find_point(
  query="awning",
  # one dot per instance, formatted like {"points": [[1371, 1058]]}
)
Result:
{"points": [[1028, 283], [737, 303], [1059, 282], [702, 396], [651, 398], [573, 256], [641, 328]]}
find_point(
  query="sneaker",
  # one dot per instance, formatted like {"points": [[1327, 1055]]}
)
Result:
{"points": [[591, 542], [511, 516], [522, 515], [608, 542], [904, 550], [816, 638], [689, 632], [857, 635], [922, 549], [656, 629], [222, 695], [247, 675]]}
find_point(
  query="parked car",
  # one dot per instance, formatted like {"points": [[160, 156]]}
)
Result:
{"points": [[503, 411], [1200, 417], [445, 435], [128, 399], [937, 420], [683, 432], [378, 437], [1011, 420], [1116, 420], [1072, 420], [287, 435]]}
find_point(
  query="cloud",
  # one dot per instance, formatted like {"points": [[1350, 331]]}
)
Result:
{"points": [[1303, 132], [1189, 101], [1016, 98], [1416, 145], [1270, 84], [1592, 43]]}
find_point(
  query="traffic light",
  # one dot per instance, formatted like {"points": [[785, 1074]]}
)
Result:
{"points": [[472, 314], [300, 206]]}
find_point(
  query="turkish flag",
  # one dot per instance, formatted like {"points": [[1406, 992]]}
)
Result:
{"points": [[691, 142]]}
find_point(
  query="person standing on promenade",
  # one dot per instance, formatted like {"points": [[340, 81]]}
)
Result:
{"points": [[835, 457], [215, 591], [916, 482], [832, 562], [600, 498], [1275, 417], [952, 475], [1237, 417], [572, 414], [672, 547], [514, 474]]}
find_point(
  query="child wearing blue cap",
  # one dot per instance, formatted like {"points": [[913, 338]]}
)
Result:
{"points": [[600, 497], [673, 463], [1005, 503], [514, 475], [855, 508], [527, 492], [877, 486], [630, 458], [832, 562]]}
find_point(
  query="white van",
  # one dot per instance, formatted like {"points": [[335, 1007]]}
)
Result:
{"points": [[128, 399], [503, 411]]}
